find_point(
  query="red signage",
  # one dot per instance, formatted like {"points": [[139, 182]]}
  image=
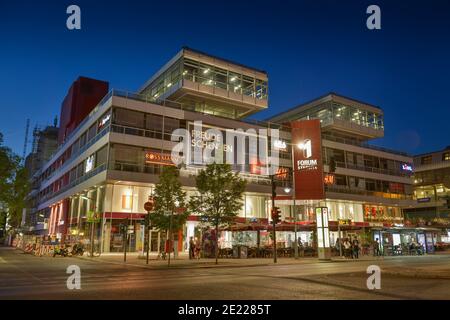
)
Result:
{"points": [[308, 166], [157, 157]]}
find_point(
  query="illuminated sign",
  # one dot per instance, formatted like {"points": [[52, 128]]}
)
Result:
{"points": [[329, 179], [280, 144], [89, 164], [156, 157], [104, 120], [407, 167], [306, 164], [345, 222], [307, 150], [206, 140], [282, 173]]}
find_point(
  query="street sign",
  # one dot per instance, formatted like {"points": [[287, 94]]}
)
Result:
{"points": [[149, 205]]}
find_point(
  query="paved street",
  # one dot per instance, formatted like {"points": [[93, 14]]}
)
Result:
{"points": [[23, 276]]}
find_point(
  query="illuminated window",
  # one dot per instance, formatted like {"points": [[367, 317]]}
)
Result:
{"points": [[446, 156], [127, 202], [426, 160]]}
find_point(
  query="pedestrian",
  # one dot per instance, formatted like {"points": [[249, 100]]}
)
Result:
{"points": [[301, 248], [347, 248], [191, 248], [197, 249], [355, 246], [376, 248]]}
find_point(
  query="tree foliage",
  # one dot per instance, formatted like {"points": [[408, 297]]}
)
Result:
{"points": [[169, 202], [14, 186], [221, 193]]}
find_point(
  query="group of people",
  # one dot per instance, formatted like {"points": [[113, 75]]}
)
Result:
{"points": [[350, 248], [194, 248]]}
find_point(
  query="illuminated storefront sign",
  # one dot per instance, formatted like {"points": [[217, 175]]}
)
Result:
{"points": [[280, 145], [407, 167], [307, 148], [156, 157], [207, 140], [328, 179]]}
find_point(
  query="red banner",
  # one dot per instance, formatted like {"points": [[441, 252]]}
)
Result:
{"points": [[308, 166]]}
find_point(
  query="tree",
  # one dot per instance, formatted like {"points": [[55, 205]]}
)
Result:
{"points": [[170, 212], [16, 202], [14, 187], [221, 193]]}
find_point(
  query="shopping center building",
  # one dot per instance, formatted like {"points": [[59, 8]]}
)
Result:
{"points": [[366, 188], [432, 193], [108, 163]]}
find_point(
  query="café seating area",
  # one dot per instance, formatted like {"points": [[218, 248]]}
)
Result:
{"points": [[264, 252], [403, 250]]}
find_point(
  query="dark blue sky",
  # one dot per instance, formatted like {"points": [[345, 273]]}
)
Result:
{"points": [[308, 48]]}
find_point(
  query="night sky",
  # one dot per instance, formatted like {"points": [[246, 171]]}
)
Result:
{"points": [[308, 48]]}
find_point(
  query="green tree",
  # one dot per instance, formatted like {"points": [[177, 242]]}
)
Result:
{"points": [[170, 212], [14, 187], [221, 193], [18, 190]]}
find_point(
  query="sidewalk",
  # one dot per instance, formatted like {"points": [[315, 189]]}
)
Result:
{"points": [[183, 261]]}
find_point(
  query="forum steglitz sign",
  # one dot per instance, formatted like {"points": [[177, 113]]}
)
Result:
{"points": [[244, 149]]}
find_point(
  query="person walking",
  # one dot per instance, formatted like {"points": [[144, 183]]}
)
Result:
{"points": [[347, 248], [191, 248], [197, 249], [355, 247], [376, 248]]}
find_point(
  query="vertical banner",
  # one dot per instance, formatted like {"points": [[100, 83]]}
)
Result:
{"points": [[308, 166]]}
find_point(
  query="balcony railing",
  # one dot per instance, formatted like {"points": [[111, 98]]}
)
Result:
{"points": [[75, 182], [362, 144], [341, 164], [348, 190]]}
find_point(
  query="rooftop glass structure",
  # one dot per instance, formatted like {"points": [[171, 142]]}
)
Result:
{"points": [[210, 85]]}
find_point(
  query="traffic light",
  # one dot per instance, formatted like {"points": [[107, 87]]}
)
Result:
{"points": [[276, 215]]}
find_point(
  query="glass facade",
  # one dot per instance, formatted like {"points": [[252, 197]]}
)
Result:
{"points": [[209, 75], [330, 112]]}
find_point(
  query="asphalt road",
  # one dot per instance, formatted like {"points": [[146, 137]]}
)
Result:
{"points": [[23, 276]]}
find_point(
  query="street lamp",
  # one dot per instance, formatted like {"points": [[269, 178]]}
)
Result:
{"points": [[92, 225]]}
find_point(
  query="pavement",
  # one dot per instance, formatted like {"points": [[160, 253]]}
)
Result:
{"points": [[24, 276]]}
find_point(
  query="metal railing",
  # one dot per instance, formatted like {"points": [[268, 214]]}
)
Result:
{"points": [[348, 190], [341, 164], [362, 144], [75, 182]]}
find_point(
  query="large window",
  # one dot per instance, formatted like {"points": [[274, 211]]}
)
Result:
{"points": [[426, 160], [129, 118]]}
